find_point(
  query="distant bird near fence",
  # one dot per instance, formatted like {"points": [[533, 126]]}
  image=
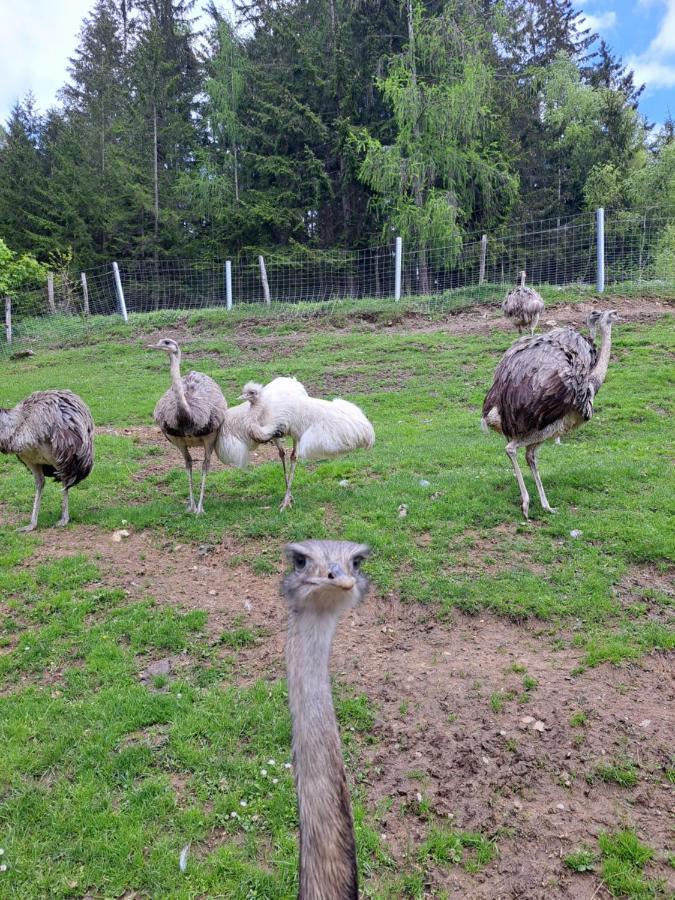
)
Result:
{"points": [[523, 306], [51, 432], [544, 387]]}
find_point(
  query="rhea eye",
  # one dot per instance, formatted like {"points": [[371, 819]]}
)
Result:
{"points": [[356, 562], [299, 561]]}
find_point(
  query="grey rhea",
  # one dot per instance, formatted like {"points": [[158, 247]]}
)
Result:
{"points": [[523, 306], [189, 415], [52, 433], [543, 387], [324, 583]]}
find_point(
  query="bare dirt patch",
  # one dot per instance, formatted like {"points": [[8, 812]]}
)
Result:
{"points": [[438, 736]]}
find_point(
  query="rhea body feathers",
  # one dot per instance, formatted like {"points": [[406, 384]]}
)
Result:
{"points": [[545, 386], [283, 408], [523, 306], [52, 433], [324, 583], [190, 414]]}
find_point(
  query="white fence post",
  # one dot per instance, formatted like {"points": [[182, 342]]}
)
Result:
{"points": [[397, 270], [600, 238], [120, 293], [483, 259], [228, 284], [8, 319], [85, 294], [263, 277], [50, 292]]}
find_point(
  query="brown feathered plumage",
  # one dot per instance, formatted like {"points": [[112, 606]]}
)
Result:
{"points": [[543, 387], [190, 414], [51, 432], [540, 380], [523, 306]]}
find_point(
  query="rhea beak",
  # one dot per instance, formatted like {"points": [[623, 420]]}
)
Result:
{"points": [[155, 347], [339, 577]]}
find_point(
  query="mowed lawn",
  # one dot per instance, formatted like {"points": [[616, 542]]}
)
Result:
{"points": [[89, 809]]}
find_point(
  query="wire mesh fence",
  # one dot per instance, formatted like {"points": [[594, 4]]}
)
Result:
{"points": [[639, 255]]}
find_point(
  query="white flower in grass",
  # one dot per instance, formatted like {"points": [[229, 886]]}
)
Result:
{"points": [[275, 781], [270, 762], [3, 868], [243, 803], [263, 772], [287, 765], [234, 815]]}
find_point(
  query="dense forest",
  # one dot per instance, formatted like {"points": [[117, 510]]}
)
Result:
{"points": [[322, 124]]}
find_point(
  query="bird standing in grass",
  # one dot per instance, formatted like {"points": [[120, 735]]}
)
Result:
{"points": [[324, 583], [543, 387], [52, 433], [523, 306], [283, 408], [189, 415]]}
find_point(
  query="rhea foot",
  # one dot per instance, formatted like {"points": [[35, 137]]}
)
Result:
{"points": [[288, 502]]}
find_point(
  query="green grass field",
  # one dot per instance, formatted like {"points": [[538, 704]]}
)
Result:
{"points": [[104, 778]]}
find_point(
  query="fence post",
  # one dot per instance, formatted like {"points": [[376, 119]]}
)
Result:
{"points": [[228, 284], [50, 292], [600, 238], [8, 319], [263, 277], [120, 293], [85, 294], [483, 259], [397, 270]]}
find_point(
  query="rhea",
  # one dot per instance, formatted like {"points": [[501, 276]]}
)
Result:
{"points": [[283, 408], [523, 306], [189, 415], [544, 387], [325, 582], [51, 432]]}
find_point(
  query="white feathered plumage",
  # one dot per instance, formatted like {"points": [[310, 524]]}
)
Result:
{"points": [[283, 408]]}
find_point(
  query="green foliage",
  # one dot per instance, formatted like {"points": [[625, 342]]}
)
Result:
{"points": [[18, 272], [583, 860]]}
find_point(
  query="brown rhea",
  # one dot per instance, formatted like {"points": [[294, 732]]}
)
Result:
{"points": [[325, 582]]}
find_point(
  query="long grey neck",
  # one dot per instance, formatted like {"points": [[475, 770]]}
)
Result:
{"points": [[522, 279], [177, 383], [599, 371], [327, 847]]}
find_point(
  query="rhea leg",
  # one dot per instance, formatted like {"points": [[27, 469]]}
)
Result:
{"points": [[208, 450], [39, 487], [282, 457], [65, 516], [511, 452], [188, 466], [288, 499], [531, 457]]}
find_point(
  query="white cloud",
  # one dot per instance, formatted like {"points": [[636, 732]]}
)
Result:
{"points": [[656, 66], [36, 40], [600, 22]]}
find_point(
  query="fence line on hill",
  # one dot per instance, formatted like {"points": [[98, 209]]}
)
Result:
{"points": [[626, 249]]}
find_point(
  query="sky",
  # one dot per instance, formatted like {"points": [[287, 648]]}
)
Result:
{"points": [[38, 36]]}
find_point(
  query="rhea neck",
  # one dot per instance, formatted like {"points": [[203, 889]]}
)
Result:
{"points": [[177, 381], [522, 279], [599, 371], [327, 847]]}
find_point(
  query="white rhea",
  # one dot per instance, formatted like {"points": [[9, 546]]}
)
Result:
{"points": [[283, 408]]}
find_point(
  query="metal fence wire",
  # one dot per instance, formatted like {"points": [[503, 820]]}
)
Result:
{"points": [[638, 252]]}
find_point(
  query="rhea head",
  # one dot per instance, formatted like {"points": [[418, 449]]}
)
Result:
{"points": [[251, 392], [601, 318], [325, 576], [167, 345]]}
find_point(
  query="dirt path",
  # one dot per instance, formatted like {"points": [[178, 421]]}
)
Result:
{"points": [[438, 738]]}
